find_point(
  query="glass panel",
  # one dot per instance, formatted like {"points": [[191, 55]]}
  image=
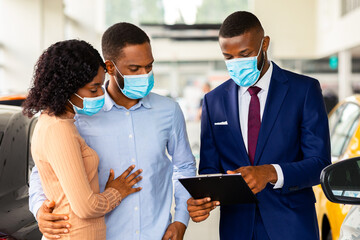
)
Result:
{"points": [[344, 129], [344, 179], [334, 117]]}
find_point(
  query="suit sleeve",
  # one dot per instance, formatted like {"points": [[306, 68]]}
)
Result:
{"points": [[209, 156], [315, 144]]}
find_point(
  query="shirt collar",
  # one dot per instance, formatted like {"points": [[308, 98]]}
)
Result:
{"points": [[263, 83], [110, 103]]}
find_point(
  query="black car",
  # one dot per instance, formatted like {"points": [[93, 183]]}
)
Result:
{"points": [[16, 221]]}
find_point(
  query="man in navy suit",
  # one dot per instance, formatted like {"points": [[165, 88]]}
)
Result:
{"points": [[271, 126]]}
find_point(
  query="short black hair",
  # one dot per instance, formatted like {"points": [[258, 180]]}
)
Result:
{"points": [[61, 70], [119, 36], [239, 23]]}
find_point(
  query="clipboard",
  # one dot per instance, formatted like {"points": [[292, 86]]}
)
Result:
{"points": [[228, 189]]}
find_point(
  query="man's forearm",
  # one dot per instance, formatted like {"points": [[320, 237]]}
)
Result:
{"points": [[36, 194]]}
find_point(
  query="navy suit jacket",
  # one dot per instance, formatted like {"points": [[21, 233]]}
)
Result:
{"points": [[294, 133]]}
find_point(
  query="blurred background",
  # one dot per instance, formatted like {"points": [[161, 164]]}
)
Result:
{"points": [[319, 38]]}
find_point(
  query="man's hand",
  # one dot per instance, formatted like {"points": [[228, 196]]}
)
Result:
{"points": [[257, 176], [51, 224], [200, 209], [175, 231]]}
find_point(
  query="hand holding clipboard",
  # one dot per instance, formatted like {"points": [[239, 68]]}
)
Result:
{"points": [[225, 188]]}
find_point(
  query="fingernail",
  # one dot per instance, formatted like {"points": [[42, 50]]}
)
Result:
{"points": [[208, 199], [57, 236], [66, 218], [66, 231], [217, 203], [68, 226], [141, 170]]}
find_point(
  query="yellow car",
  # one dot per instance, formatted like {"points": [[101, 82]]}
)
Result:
{"points": [[345, 137]]}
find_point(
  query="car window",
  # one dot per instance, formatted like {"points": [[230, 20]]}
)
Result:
{"points": [[31, 163], [344, 128], [334, 117]]}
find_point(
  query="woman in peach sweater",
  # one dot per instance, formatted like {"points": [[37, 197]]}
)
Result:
{"points": [[67, 80]]}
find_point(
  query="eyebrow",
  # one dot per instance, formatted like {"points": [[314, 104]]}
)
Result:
{"points": [[243, 51], [134, 65], [95, 84]]}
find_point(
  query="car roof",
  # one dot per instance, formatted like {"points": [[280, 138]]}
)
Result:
{"points": [[13, 97]]}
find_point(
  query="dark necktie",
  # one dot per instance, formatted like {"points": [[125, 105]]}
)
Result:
{"points": [[254, 122]]}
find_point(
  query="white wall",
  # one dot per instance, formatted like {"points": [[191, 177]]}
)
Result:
{"points": [[85, 20], [335, 32], [291, 25], [26, 28]]}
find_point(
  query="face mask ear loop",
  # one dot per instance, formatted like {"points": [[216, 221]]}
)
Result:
{"points": [[115, 76], [262, 66], [78, 96], [71, 102], [262, 41], [263, 63]]}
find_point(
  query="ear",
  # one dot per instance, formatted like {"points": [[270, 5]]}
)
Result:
{"points": [[266, 43], [110, 68]]}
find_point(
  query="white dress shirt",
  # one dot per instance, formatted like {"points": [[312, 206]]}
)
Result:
{"points": [[244, 102]]}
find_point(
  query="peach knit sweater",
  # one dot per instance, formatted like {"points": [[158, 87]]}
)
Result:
{"points": [[68, 173]]}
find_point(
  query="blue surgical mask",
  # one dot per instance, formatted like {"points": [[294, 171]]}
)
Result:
{"points": [[91, 106], [136, 86], [244, 71]]}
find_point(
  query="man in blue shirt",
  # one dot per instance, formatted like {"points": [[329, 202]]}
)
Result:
{"points": [[134, 127]]}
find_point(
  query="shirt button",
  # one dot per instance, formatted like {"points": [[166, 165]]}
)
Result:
{"points": [[127, 113], [137, 231], [130, 136], [136, 208]]}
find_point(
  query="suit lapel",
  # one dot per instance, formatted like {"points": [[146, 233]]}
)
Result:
{"points": [[231, 106], [277, 91]]}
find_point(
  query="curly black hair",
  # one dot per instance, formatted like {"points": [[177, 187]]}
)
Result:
{"points": [[61, 70], [118, 36]]}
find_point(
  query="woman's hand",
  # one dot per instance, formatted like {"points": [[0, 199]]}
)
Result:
{"points": [[125, 182]]}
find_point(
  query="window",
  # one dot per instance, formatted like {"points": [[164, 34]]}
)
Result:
{"points": [[344, 128]]}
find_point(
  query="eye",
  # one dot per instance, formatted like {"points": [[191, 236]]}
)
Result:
{"points": [[134, 69], [246, 54], [93, 91]]}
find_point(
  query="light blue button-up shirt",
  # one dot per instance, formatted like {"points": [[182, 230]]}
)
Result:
{"points": [[151, 135]]}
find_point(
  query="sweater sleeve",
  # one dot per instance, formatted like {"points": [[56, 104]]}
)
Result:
{"points": [[63, 151]]}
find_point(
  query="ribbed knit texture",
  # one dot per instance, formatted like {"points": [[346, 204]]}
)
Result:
{"points": [[68, 173]]}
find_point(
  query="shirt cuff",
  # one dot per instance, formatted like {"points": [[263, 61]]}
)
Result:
{"points": [[36, 208], [182, 216], [280, 175]]}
